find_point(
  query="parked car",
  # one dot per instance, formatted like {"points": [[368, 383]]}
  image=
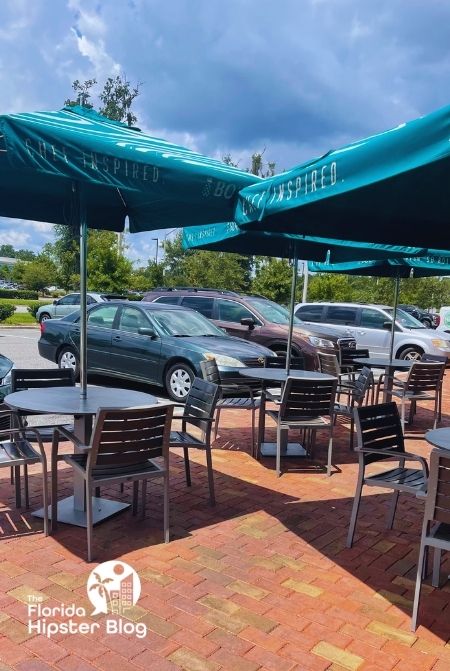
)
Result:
{"points": [[6, 366], [428, 319], [256, 319], [158, 344], [371, 325], [67, 304]]}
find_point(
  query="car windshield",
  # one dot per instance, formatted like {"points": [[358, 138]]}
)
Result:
{"points": [[406, 320], [183, 323], [272, 312]]}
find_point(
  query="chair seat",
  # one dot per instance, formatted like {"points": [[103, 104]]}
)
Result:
{"points": [[17, 452], [343, 409], [411, 395], [404, 479], [115, 471], [238, 403], [184, 439], [309, 422]]}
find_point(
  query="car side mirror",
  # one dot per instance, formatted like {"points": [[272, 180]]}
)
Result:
{"points": [[387, 326], [147, 331], [248, 321], [55, 302]]}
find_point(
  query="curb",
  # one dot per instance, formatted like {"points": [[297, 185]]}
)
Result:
{"points": [[19, 326]]}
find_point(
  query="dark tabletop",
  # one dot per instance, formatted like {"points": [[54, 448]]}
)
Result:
{"points": [[280, 375], [439, 438], [379, 362], [67, 401]]}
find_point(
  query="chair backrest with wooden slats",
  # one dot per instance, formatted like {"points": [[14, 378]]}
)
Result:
{"points": [[425, 377], [437, 506], [201, 403], [379, 428], [32, 378], [210, 371], [297, 362], [305, 399], [347, 356], [362, 384], [125, 438], [329, 364]]}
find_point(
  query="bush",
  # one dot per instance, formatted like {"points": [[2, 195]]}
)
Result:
{"points": [[18, 293], [33, 308], [6, 311]]}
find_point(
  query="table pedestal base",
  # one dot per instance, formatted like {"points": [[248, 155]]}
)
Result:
{"points": [[102, 509], [292, 450]]}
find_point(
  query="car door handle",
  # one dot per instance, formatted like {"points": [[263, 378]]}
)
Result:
{"points": [[117, 338]]}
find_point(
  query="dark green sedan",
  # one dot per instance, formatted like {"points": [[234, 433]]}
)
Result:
{"points": [[148, 342]]}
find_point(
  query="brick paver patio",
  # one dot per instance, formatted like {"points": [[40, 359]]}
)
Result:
{"points": [[262, 582]]}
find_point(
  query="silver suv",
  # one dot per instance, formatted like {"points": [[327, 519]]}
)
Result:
{"points": [[370, 325]]}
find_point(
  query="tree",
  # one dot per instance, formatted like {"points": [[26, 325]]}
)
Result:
{"points": [[25, 255], [8, 251], [117, 97], [82, 92], [145, 279], [35, 275], [273, 279], [108, 270]]}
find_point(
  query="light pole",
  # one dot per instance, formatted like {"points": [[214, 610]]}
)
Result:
{"points": [[156, 252]]}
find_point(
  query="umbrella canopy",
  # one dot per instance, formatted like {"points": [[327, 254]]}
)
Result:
{"points": [[386, 188], [229, 237], [120, 170], [437, 262]]}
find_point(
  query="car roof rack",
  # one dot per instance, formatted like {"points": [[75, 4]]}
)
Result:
{"points": [[197, 290]]}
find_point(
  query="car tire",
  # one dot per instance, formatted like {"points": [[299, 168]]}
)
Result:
{"points": [[178, 381], [427, 323], [411, 353], [67, 358], [43, 317]]}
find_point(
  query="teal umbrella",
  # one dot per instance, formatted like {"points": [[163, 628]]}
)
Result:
{"points": [[387, 188], [436, 263], [77, 167]]}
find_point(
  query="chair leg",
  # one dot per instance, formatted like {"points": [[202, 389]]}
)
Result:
{"points": [[282, 439], [45, 494], [97, 491], [187, 466], [54, 494], [436, 410], [403, 413], [355, 509], [212, 496], [435, 580], [11, 475], [352, 432], [440, 403], [330, 453], [392, 509], [418, 585], [166, 507], [89, 521], [25, 486], [216, 424], [144, 498], [134, 504], [17, 486], [253, 411]]}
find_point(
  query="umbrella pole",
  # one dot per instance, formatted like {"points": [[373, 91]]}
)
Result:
{"points": [[291, 313], [83, 301], [394, 317], [305, 281]]}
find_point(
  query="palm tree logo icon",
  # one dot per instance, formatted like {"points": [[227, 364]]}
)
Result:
{"points": [[113, 587]]}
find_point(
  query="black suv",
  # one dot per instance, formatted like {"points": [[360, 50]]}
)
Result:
{"points": [[256, 319], [428, 319]]}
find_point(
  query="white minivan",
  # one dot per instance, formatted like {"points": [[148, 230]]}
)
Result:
{"points": [[370, 325]]}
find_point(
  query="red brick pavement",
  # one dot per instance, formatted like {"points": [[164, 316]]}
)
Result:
{"points": [[261, 582]]}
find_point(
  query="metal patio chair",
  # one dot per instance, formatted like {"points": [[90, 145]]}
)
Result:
{"points": [[123, 447], [423, 383], [356, 398], [297, 363], [198, 411], [380, 437]]}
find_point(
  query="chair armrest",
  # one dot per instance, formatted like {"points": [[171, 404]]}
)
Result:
{"points": [[196, 420], [70, 436], [391, 454]]}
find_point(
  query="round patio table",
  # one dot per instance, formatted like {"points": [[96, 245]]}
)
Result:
{"points": [[390, 366], [439, 438], [277, 375], [67, 401]]}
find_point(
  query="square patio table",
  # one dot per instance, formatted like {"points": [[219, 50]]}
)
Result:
{"points": [[67, 401]]}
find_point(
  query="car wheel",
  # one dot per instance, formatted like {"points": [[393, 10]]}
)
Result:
{"points": [[43, 317], [411, 354], [68, 359], [427, 323], [179, 378]]}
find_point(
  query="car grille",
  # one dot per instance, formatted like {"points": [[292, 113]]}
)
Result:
{"points": [[254, 362], [347, 343]]}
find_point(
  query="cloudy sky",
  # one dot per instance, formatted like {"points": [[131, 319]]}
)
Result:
{"points": [[293, 77]]}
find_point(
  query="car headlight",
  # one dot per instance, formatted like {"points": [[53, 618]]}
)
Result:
{"points": [[224, 360], [321, 342], [6, 380], [440, 343]]}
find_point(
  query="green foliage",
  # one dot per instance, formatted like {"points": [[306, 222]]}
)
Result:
{"points": [[20, 319], [273, 279], [117, 97], [33, 308], [8, 251], [328, 287], [107, 269], [6, 310], [18, 293], [37, 274], [82, 92]]}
